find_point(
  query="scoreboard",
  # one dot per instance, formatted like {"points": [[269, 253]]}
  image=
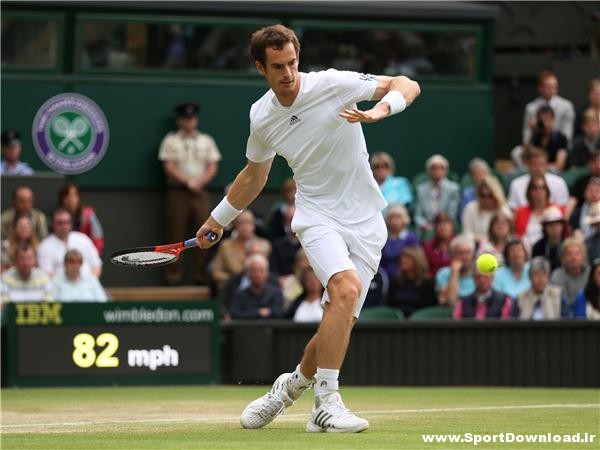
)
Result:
{"points": [[50, 344]]}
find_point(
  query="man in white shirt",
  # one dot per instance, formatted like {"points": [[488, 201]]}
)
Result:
{"points": [[564, 112], [51, 252], [313, 122], [537, 164]]}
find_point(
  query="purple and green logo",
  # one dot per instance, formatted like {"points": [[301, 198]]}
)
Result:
{"points": [[70, 133]]}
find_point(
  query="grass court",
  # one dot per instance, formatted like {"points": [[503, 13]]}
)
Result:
{"points": [[194, 417]]}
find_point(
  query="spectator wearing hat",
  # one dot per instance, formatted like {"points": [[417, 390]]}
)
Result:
{"points": [[11, 154], [190, 161], [396, 190], [541, 301], [573, 273], [436, 194], [528, 219], [554, 228], [592, 244], [578, 221]]}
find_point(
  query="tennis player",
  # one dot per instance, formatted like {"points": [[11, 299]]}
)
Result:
{"points": [[311, 119]]}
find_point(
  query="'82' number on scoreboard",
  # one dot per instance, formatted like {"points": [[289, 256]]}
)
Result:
{"points": [[84, 354]]}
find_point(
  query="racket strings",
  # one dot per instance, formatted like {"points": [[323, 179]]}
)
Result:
{"points": [[144, 258]]}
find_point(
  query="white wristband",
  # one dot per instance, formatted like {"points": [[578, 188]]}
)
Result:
{"points": [[396, 101], [224, 212]]}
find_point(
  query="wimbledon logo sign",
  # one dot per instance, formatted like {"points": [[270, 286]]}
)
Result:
{"points": [[70, 133]]}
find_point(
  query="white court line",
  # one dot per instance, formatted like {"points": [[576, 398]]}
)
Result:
{"points": [[296, 416]]}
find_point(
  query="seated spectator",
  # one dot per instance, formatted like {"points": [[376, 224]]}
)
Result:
{"points": [[546, 136], [241, 281], [541, 301], [536, 160], [587, 302], [578, 190], [21, 233], [399, 237], [478, 213], [588, 142], [574, 271], [11, 155], [260, 300], [485, 302], [285, 248], [23, 202], [73, 286], [412, 288], [230, 256], [500, 230], [578, 222], [456, 280], [51, 252], [307, 307], [435, 195], [593, 104], [396, 190], [280, 215], [478, 170], [84, 217], [564, 112], [555, 231], [592, 244], [24, 282], [513, 277], [437, 249], [378, 289], [528, 219]]}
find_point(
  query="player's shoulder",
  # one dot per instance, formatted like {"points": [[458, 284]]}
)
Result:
{"points": [[261, 107]]}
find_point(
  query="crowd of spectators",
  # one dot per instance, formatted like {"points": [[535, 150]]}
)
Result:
{"points": [[542, 222]]}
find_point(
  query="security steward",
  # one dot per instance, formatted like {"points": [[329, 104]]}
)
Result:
{"points": [[190, 161]]}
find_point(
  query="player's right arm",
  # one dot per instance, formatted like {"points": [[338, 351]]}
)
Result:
{"points": [[244, 189]]}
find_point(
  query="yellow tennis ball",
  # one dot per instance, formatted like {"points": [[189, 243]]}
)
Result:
{"points": [[487, 263]]}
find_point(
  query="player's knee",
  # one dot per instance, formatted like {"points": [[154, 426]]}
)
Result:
{"points": [[344, 290]]}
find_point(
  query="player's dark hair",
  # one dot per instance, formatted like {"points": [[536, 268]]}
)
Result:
{"points": [[274, 36]]}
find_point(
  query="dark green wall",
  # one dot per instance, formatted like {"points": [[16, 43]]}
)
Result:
{"points": [[452, 119]]}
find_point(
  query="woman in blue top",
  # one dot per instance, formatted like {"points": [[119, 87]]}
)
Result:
{"points": [[396, 190]]}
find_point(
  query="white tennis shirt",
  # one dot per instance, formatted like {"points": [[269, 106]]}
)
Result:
{"points": [[327, 154]]}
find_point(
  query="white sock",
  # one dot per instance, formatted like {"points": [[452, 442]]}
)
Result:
{"points": [[326, 381], [298, 380]]}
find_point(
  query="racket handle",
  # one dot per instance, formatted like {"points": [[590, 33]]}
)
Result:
{"points": [[211, 236]]}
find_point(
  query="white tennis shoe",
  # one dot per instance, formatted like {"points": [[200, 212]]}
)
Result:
{"points": [[332, 416], [265, 409]]}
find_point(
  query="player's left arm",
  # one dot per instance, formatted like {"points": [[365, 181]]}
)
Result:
{"points": [[395, 94]]}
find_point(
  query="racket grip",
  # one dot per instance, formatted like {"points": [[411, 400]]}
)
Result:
{"points": [[211, 236]]}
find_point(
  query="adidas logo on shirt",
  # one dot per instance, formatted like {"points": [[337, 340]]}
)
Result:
{"points": [[294, 120]]}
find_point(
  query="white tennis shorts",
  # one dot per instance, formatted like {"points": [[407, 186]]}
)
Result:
{"points": [[332, 247]]}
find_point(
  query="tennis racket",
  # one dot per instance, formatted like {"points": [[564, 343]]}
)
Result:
{"points": [[155, 256]]}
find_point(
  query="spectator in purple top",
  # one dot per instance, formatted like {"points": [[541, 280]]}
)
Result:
{"points": [[399, 237]]}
